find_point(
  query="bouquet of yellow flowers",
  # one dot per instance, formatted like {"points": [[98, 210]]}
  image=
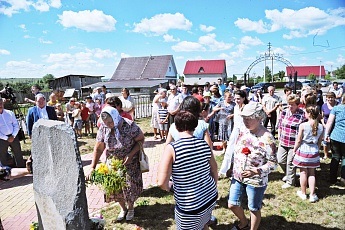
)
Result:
{"points": [[111, 178]]}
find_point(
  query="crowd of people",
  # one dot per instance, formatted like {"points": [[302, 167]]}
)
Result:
{"points": [[189, 124], [258, 133]]}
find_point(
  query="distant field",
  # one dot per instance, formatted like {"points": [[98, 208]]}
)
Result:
{"points": [[14, 80]]}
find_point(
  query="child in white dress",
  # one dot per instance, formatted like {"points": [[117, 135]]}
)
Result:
{"points": [[306, 150]]}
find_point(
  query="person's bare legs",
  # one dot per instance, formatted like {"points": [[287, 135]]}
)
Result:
{"points": [[255, 219], [325, 151], [311, 181], [303, 180], [239, 212], [155, 133]]}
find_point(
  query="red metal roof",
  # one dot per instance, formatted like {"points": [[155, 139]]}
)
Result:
{"points": [[208, 67], [304, 71]]}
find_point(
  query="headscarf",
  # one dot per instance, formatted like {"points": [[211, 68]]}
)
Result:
{"points": [[116, 118]]}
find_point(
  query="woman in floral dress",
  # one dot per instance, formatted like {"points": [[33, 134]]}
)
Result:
{"points": [[254, 158], [120, 137]]}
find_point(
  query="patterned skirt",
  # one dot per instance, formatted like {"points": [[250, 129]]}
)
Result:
{"points": [[307, 156]]}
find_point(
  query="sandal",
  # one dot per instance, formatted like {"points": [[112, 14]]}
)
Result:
{"points": [[121, 215], [130, 215]]}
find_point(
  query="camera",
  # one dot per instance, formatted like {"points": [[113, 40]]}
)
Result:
{"points": [[8, 93]]}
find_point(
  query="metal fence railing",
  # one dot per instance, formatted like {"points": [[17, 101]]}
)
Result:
{"points": [[143, 103], [143, 106]]}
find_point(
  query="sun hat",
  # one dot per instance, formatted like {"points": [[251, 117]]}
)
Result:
{"points": [[251, 108], [207, 94], [109, 95]]}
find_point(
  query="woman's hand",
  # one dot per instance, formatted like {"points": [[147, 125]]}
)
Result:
{"points": [[88, 173], [249, 173], [127, 160]]}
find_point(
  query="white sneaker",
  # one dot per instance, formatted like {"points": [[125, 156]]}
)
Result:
{"points": [[286, 185], [284, 178], [122, 215], [313, 198], [301, 195]]}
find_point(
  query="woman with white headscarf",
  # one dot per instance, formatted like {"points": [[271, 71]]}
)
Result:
{"points": [[119, 137]]}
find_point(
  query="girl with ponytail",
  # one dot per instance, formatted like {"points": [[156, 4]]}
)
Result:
{"points": [[306, 150]]}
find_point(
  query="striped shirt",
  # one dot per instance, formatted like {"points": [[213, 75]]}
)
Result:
{"points": [[163, 114], [288, 125], [194, 187]]}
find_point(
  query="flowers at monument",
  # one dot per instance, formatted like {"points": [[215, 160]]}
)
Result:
{"points": [[111, 177]]}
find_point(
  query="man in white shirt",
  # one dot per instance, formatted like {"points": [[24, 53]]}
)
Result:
{"points": [[174, 101], [9, 129], [270, 103]]}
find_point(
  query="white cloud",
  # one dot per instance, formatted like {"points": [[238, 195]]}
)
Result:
{"points": [[55, 3], [124, 55], [210, 41], [205, 43], [247, 25], [4, 52], [101, 54], [41, 6], [23, 27], [299, 23], [27, 36], [250, 41], [41, 40], [170, 38], [186, 46], [23, 65], [91, 21], [341, 59], [16, 6], [162, 23], [207, 29]]}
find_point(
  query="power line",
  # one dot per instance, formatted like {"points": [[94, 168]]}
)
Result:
{"points": [[318, 51]]}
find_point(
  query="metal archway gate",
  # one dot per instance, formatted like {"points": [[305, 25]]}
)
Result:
{"points": [[270, 57]]}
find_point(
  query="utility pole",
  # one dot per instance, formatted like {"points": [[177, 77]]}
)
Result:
{"points": [[320, 72]]}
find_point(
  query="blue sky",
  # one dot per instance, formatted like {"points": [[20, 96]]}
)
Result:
{"points": [[90, 37]]}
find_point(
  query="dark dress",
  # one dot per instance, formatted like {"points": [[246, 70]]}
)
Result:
{"points": [[120, 149]]}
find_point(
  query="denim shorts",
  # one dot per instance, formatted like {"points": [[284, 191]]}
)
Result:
{"points": [[255, 195]]}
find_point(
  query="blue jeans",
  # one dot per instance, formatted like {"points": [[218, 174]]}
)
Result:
{"points": [[255, 195]]}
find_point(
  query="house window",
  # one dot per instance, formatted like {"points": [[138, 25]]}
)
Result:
{"points": [[136, 90], [201, 70], [169, 69]]}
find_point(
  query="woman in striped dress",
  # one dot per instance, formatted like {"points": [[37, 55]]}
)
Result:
{"points": [[306, 150], [193, 168]]}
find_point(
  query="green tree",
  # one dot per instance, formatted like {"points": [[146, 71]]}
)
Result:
{"points": [[268, 74], [311, 77], [340, 72], [22, 87], [328, 76]]}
